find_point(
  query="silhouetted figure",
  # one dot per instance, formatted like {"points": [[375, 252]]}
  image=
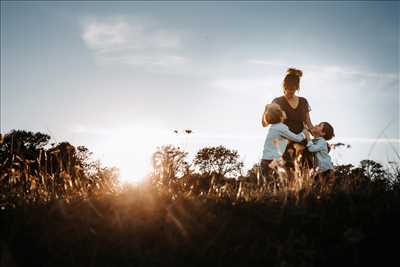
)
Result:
{"points": [[277, 137], [319, 147], [297, 119]]}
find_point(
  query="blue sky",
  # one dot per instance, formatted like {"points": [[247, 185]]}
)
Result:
{"points": [[119, 77]]}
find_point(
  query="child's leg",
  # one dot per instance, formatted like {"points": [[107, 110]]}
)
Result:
{"points": [[327, 177], [321, 181], [308, 159], [266, 171]]}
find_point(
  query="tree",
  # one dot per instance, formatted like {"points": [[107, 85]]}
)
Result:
{"points": [[19, 141], [169, 163], [103, 179], [19, 151], [20, 144], [31, 170], [218, 160], [376, 173], [372, 169]]}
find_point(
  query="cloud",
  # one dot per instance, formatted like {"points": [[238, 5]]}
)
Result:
{"points": [[132, 41], [108, 36], [351, 140], [264, 74], [264, 78], [245, 85], [154, 60], [329, 69], [267, 62]]}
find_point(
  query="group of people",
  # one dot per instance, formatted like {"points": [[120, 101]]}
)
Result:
{"points": [[289, 133]]}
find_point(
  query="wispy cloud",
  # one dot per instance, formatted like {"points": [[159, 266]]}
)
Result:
{"points": [[132, 41], [244, 85], [265, 74], [328, 69], [264, 77], [367, 140], [108, 36]]}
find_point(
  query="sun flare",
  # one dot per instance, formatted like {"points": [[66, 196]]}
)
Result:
{"points": [[130, 150]]}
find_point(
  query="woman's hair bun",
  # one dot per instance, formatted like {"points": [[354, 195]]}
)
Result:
{"points": [[293, 71]]}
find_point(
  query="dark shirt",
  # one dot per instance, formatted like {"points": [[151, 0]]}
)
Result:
{"points": [[295, 117]]}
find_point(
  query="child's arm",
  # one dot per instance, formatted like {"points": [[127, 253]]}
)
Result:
{"points": [[320, 145], [285, 132], [307, 134]]}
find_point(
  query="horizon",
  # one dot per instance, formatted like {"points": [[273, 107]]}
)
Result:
{"points": [[123, 77]]}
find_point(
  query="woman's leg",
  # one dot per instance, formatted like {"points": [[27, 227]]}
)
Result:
{"points": [[307, 157], [289, 155]]}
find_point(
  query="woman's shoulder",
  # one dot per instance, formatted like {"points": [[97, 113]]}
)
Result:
{"points": [[303, 102], [303, 99], [278, 100], [281, 101]]}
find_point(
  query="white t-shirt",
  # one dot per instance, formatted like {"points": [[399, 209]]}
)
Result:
{"points": [[277, 139]]}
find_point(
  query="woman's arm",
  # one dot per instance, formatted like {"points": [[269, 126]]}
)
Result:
{"points": [[308, 122]]}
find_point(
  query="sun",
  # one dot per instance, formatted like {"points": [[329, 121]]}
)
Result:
{"points": [[130, 150]]}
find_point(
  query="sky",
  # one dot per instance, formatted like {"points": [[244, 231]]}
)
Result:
{"points": [[120, 77]]}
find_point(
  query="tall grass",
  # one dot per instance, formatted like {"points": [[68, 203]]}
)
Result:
{"points": [[58, 178], [72, 218], [50, 177]]}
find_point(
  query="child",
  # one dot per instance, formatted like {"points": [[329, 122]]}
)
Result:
{"points": [[319, 147], [277, 137]]}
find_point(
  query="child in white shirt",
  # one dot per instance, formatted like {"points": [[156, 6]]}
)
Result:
{"points": [[277, 137]]}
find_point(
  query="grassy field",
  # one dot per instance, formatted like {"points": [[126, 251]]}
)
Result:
{"points": [[59, 208], [143, 226]]}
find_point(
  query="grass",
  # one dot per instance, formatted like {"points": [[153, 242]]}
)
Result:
{"points": [[63, 219], [143, 226]]}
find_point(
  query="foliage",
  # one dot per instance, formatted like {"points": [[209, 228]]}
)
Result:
{"points": [[169, 163], [141, 226], [33, 172], [218, 160], [70, 211]]}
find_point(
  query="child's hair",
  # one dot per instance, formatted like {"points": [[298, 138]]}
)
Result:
{"points": [[328, 130], [292, 79], [273, 114]]}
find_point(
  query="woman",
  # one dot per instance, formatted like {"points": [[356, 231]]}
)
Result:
{"points": [[297, 112]]}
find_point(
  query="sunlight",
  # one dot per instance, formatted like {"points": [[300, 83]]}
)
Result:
{"points": [[130, 149]]}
